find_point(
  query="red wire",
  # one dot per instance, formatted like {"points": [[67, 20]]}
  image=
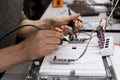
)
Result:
{"points": [[117, 44]]}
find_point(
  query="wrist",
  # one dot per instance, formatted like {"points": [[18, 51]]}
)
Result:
{"points": [[11, 56], [22, 54]]}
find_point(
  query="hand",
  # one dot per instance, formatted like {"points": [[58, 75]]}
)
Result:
{"points": [[51, 23], [59, 23], [40, 44]]}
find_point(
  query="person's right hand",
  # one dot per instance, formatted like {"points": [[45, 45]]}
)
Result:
{"points": [[40, 43]]}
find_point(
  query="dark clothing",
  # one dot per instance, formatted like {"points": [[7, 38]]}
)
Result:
{"points": [[33, 9], [10, 17]]}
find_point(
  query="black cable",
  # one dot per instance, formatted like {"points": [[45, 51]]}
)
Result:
{"points": [[37, 27]]}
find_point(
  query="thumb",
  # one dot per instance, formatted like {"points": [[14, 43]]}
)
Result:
{"points": [[71, 17]]}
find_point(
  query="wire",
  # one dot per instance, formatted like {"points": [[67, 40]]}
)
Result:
{"points": [[37, 27], [113, 9], [105, 23], [84, 32], [84, 50], [117, 44], [83, 53]]}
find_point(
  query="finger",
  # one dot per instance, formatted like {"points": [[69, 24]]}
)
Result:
{"points": [[58, 29], [67, 30], [51, 50], [72, 17], [70, 32], [52, 47], [65, 27], [59, 35], [78, 24], [53, 41], [53, 34]]}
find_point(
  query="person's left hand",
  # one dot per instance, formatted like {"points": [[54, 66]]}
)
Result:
{"points": [[60, 23], [57, 23]]}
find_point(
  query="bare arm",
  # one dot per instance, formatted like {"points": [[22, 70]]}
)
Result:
{"points": [[10, 57]]}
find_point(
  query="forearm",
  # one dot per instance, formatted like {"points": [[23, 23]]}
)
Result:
{"points": [[10, 57]]}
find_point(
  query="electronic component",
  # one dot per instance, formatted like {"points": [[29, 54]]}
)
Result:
{"points": [[82, 40], [33, 70], [108, 47], [106, 44], [100, 35], [61, 61]]}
